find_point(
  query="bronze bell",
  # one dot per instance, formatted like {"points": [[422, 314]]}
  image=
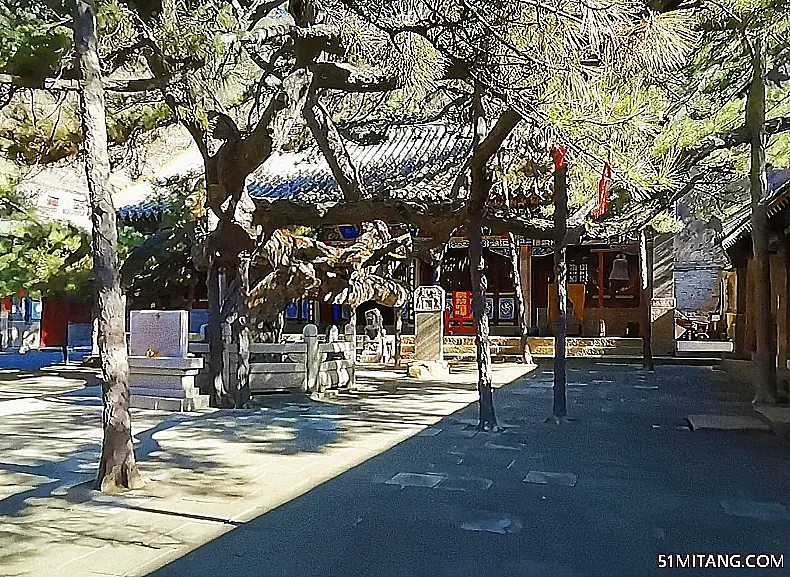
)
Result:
{"points": [[620, 269]]}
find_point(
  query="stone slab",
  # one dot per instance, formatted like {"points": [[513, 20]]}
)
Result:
{"points": [[779, 418], [727, 423], [465, 484], [415, 480], [164, 364], [165, 332], [498, 524], [429, 370], [774, 414], [169, 404], [548, 478], [179, 393], [756, 510]]}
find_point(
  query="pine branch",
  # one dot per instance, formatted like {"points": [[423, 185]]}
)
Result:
{"points": [[61, 84]]}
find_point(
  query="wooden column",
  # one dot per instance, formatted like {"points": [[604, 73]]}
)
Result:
{"points": [[646, 264], [784, 392], [741, 291], [751, 320], [600, 279]]}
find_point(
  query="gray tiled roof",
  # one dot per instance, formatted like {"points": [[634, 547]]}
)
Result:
{"points": [[411, 161], [778, 197], [416, 161]]}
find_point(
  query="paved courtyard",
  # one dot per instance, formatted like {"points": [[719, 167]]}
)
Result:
{"points": [[395, 481]]}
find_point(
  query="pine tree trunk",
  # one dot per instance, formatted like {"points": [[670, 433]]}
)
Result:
{"points": [[646, 263], [479, 286], [117, 467], [764, 357], [243, 333], [561, 281], [216, 350]]}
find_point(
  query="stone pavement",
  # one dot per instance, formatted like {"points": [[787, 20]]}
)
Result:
{"points": [[604, 494], [207, 473]]}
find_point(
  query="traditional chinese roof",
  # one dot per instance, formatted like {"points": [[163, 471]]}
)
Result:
{"points": [[416, 161], [778, 198], [409, 161]]}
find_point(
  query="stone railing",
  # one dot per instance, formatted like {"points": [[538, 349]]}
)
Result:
{"points": [[305, 366]]}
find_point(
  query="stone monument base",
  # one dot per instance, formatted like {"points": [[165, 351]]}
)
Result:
{"points": [[429, 370], [165, 383]]}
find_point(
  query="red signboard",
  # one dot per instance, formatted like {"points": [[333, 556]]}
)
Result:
{"points": [[462, 304]]}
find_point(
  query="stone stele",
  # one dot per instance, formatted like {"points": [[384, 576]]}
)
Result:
{"points": [[165, 333], [429, 333]]}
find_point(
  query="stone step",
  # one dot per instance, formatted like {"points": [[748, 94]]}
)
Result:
{"points": [[169, 404], [188, 392]]}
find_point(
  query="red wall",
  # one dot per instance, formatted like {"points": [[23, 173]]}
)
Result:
{"points": [[57, 313]]}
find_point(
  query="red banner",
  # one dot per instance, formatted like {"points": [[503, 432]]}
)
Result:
{"points": [[558, 153], [603, 191]]}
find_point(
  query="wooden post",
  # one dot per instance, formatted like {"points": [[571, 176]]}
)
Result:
{"points": [[741, 292], [646, 263], [561, 281], [312, 358], [351, 338], [600, 279]]}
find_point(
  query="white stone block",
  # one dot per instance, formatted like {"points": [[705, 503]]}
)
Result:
{"points": [[164, 332]]}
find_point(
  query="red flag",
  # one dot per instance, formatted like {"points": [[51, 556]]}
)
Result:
{"points": [[558, 153], [603, 190]]}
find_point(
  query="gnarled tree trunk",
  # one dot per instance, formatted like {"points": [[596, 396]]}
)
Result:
{"points": [[219, 390], [117, 468], [243, 336], [764, 357], [488, 420]]}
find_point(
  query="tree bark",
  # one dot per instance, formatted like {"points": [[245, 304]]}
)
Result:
{"points": [[243, 333], [646, 262], [117, 467], [216, 350], [488, 420], [764, 357], [561, 282]]}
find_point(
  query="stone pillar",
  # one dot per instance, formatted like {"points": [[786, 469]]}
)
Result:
{"points": [[350, 334], [312, 358], [429, 360], [662, 313]]}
